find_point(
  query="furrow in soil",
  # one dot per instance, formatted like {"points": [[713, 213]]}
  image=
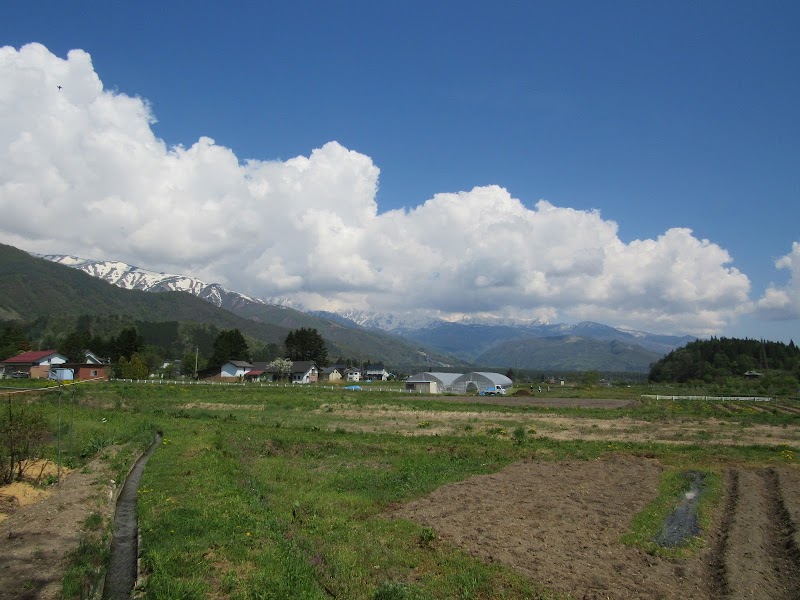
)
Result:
{"points": [[758, 561]]}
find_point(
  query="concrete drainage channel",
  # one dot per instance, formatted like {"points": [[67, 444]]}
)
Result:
{"points": [[122, 566], [682, 524]]}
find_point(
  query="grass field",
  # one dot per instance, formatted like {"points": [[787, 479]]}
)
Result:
{"points": [[272, 492]]}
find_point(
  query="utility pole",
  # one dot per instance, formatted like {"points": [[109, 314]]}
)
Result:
{"points": [[58, 476], [196, 352]]}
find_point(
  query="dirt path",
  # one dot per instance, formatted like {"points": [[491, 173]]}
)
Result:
{"points": [[35, 538], [560, 524]]}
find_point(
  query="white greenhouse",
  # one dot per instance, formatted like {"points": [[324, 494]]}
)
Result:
{"points": [[476, 381], [431, 382]]}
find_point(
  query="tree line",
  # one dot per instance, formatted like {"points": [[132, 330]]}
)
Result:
{"points": [[134, 355], [717, 358]]}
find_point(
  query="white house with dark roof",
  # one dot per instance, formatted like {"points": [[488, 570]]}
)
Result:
{"points": [[352, 374], [376, 373], [304, 371], [235, 369]]}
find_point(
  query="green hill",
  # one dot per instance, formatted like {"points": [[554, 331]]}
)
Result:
{"points": [[717, 358], [569, 353], [34, 289]]}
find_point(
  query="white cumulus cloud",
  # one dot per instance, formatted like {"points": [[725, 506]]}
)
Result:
{"points": [[81, 172], [783, 302]]}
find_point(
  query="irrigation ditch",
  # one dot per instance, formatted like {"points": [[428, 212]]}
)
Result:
{"points": [[123, 568]]}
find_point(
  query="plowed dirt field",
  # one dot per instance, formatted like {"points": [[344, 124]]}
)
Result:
{"points": [[560, 523]]}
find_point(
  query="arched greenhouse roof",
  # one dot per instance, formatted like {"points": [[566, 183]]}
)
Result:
{"points": [[443, 380], [480, 380]]}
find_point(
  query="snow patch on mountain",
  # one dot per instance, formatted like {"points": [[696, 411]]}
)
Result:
{"points": [[438, 331], [131, 277], [412, 321]]}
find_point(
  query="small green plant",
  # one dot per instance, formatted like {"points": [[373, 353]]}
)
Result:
{"points": [[295, 511], [95, 445], [391, 590], [93, 521], [519, 435], [85, 568], [427, 537]]}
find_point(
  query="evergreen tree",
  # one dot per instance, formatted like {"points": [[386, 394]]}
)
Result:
{"points": [[74, 345], [307, 344], [718, 358], [229, 345], [127, 343], [13, 341]]}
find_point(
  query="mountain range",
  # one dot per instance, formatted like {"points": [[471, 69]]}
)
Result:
{"points": [[33, 289], [440, 343]]}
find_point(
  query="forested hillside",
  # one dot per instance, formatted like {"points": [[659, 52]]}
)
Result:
{"points": [[569, 353], [707, 360], [48, 301]]}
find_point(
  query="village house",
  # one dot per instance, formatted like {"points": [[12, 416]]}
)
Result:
{"points": [[331, 374], [352, 374], [34, 364], [376, 373], [54, 365]]}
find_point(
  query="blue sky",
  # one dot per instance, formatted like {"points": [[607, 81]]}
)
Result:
{"points": [[658, 115]]}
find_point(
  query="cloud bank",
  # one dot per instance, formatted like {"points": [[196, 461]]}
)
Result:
{"points": [[82, 173], [783, 302]]}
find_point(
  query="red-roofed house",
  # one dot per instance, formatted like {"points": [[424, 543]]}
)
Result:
{"points": [[34, 364]]}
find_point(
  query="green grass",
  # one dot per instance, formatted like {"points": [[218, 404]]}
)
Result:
{"points": [[85, 567], [260, 492], [647, 525], [301, 514]]}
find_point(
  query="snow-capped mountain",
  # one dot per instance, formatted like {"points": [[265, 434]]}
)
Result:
{"points": [[135, 278], [410, 321], [465, 337], [449, 334], [469, 337]]}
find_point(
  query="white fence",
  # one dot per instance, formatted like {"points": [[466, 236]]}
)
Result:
{"points": [[251, 384], [713, 398]]}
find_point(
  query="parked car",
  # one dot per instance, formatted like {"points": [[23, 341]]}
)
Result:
{"points": [[495, 390]]}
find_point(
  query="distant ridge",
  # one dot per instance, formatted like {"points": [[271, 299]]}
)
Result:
{"points": [[416, 338], [354, 342]]}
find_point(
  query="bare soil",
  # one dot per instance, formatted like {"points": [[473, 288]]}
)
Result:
{"points": [[560, 524], [36, 536]]}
